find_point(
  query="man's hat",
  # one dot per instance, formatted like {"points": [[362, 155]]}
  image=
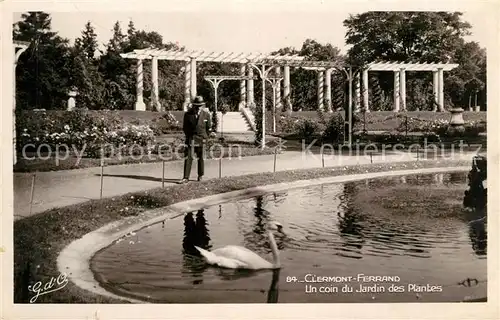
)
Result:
{"points": [[198, 101]]}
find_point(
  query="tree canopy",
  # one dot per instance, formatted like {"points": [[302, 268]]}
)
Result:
{"points": [[419, 37]]}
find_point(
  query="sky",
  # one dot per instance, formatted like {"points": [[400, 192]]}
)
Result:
{"points": [[233, 31]]}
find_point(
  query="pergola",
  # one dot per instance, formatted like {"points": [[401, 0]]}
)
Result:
{"points": [[280, 64], [19, 47], [399, 69], [248, 61]]}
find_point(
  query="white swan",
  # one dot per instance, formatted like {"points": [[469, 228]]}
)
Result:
{"points": [[236, 257]]}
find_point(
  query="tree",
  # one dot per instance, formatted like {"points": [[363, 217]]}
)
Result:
{"points": [[45, 68], [304, 93], [117, 41], [404, 36], [118, 77], [87, 43], [471, 72], [86, 76]]}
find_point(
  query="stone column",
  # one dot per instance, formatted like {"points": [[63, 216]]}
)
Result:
{"points": [[18, 50], [396, 91], [435, 89], [193, 78], [357, 93], [278, 88], [286, 89], [14, 97], [243, 89], [321, 87], [187, 85], [402, 83], [365, 91], [139, 103], [328, 89], [250, 86], [155, 94], [441, 89]]}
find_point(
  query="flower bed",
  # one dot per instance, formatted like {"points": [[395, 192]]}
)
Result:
{"points": [[78, 130], [301, 125]]}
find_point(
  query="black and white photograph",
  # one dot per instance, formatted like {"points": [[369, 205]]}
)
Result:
{"points": [[246, 153]]}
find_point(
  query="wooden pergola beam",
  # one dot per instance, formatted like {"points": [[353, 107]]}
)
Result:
{"points": [[396, 66]]}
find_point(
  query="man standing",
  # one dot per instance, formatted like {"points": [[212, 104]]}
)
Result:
{"points": [[197, 126]]}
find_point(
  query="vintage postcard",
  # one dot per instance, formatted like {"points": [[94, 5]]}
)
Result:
{"points": [[249, 159]]}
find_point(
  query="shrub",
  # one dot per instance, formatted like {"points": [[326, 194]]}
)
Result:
{"points": [[286, 124], [474, 128], [334, 129], [306, 128]]}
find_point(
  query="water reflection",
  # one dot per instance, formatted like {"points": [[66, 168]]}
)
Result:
{"points": [[195, 234], [257, 238], [349, 223], [456, 178], [477, 231], [279, 198]]}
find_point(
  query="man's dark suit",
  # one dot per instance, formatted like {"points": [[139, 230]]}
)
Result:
{"points": [[196, 127]]}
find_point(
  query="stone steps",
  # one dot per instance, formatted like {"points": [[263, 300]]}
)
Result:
{"points": [[233, 122]]}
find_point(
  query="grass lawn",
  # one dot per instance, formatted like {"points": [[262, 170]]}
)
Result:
{"points": [[39, 239], [375, 120], [383, 120]]}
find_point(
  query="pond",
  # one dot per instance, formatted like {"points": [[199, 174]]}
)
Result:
{"points": [[403, 239]]}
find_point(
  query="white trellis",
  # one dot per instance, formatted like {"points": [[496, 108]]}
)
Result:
{"points": [[215, 81], [19, 47], [275, 84]]}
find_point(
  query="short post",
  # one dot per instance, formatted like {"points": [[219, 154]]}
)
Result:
{"points": [[32, 192], [406, 127], [275, 154], [102, 175], [322, 159], [220, 165], [371, 157], [163, 174]]}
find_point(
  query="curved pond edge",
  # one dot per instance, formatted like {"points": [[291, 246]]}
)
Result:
{"points": [[74, 259]]}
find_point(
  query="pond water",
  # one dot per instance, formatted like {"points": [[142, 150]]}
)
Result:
{"points": [[412, 229]]}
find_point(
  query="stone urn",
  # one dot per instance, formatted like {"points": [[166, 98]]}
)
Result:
{"points": [[457, 121], [71, 100]]}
